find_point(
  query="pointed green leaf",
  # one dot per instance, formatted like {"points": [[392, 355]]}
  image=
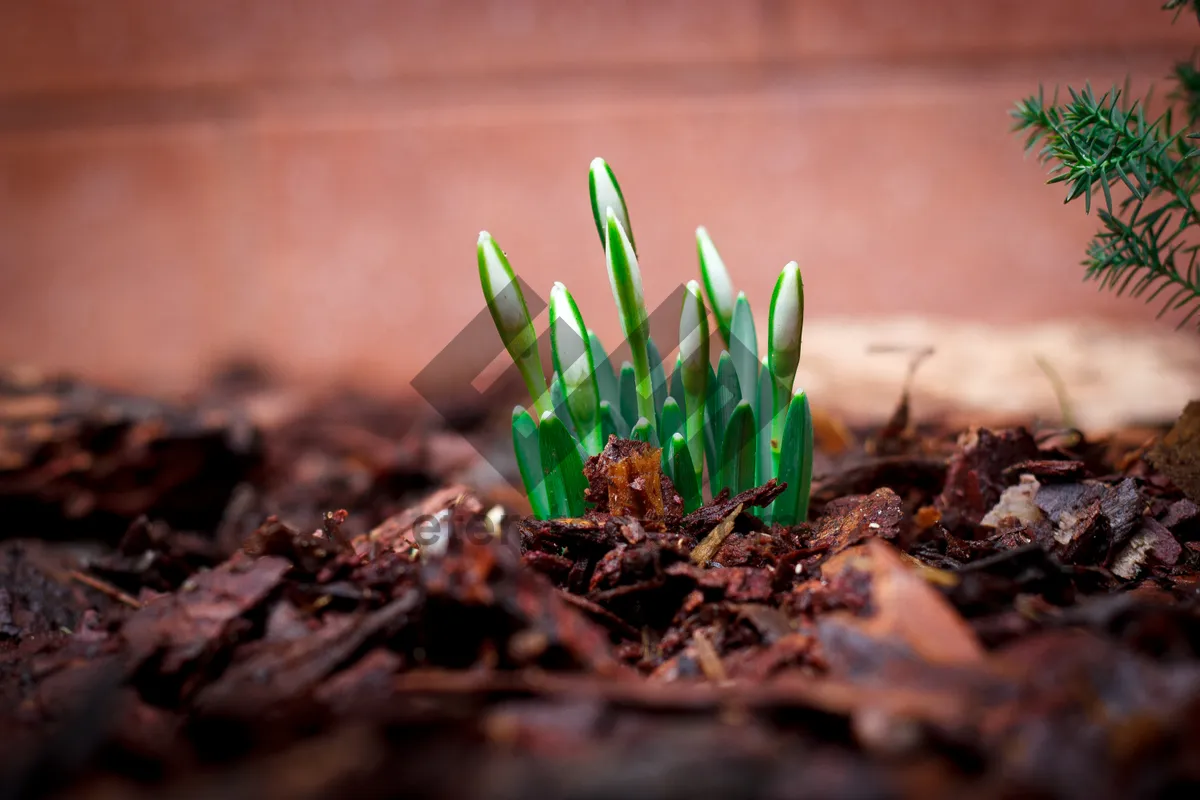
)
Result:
{"points": [[667, 459], [738, 450], [795, 464], [658, 376], [685, 474], [628, 406], [693, 369], [558, 401], [743, 346], [764, 408], [672, 420], [511, 316], [574, 367], [711, 442], [626, 281], [676, 382], [726, 393], [611, 423], [606, 378], [562, 468], [529, 461], [643, 431]]}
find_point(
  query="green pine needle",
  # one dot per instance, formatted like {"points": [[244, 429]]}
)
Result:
{"points": [[1148, 243]]}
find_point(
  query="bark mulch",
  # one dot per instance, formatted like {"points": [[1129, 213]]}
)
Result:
{"points": [[194, 606]]}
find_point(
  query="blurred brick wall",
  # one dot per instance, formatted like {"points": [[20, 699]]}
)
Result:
{"points": [[182, 182]]}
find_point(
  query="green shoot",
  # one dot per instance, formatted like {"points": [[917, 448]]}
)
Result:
{"points": [[693, 369], [743, 346], [529, 461], [738, 450], [626, 281], [562, 469], [573, 361], [684, 474], [511, 315], [784, 328], [643, 431], [606, 193], [795, 469], [716, 283]]}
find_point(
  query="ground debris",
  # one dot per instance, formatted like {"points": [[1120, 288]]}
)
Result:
{"points": [[704, 552], [1016, 503], [975, 477], [77, 460], [853, 519], [1177, 455], [1021, 622], [705, 518], [203, 615], [626, 479]]}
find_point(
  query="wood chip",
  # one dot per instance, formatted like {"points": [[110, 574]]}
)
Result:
{"points": [[708, 658], [704, 552]]}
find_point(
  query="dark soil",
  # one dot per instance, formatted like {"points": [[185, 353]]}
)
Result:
{"points": [[241, 598]]}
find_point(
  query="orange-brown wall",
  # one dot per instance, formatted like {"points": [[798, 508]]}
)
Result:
{"points": [[184, 181]]}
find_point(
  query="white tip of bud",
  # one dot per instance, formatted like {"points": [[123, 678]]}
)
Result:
{"points": [[716, 277], [606, 194], [496, 275], [635, 316], [569, 338], [787, 319]]}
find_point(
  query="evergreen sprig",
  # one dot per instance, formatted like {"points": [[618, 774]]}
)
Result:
{"points": [[1179, 5], [1149, 242]]}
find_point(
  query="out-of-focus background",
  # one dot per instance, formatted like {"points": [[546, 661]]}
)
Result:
{"points": [[183, 183]]}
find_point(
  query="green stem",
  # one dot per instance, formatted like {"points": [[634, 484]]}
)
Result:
{"points": [[641, 371]]}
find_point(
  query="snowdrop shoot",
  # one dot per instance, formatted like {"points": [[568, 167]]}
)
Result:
{"points": [[573, 363], [511, 315], [606, 194], [785, 325]]}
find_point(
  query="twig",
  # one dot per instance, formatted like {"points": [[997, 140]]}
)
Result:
{"points": [[1060, 392], [704, 552], [105, 588]]}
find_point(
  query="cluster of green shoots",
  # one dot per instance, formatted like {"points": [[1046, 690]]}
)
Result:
{"points": [[741, 419]]}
